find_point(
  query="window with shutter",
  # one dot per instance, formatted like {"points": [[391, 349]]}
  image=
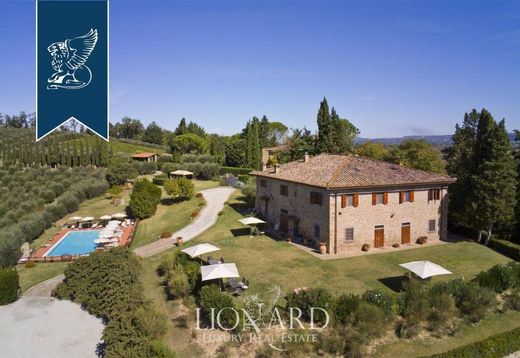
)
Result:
{"points": [[401, 197], [385, 198], [343, 200], [315, 198], [412, 196], [374, 198], [355, 200]]}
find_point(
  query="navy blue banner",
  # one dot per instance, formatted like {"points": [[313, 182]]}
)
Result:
{"points": [[71, 65]]}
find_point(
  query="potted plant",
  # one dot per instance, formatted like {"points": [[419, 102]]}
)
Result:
{"points": [[180, 241], [323, 247], [289, 239]]}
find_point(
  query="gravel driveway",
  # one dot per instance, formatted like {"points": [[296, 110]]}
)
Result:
{"points": [[215, 199]]}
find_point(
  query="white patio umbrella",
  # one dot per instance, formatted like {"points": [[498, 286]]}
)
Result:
{"points": [[119, 215], [88, 218], [212, 272], [105, 217], [251, 221], [75, 218], [425, 269], [102, 241], [200, 249]]}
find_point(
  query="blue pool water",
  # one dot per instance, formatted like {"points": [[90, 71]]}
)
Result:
{"points": [[75, 243]]}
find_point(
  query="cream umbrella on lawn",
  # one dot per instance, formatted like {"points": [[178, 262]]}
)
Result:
{"points": [[251, 222], [119, 215], [425, 269], [200, 249], [218, 271]]}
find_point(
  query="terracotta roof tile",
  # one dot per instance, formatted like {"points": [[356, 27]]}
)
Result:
{"points": [[349, 171]]}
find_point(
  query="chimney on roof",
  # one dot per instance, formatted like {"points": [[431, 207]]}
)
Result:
{"points": [[306, 158], [276, 169]]}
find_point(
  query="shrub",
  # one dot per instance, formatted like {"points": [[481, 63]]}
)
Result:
{"points": [[9, 285], [145, 167], [345, 307], [211, 297], [194, 214], [249, 190], [118, 174], [512, 300], [144, 199], [370, 320], [396, 245], [166, 234], [198, 195], [365, 247], [159, 349], [187, 188], [177, 283], [442, 314], [160, 180], [151, 322], [171, 187], [500, 277], [414, 305], [192, 270], [380, 299], [30, 264], [477, 302], [314, 297], [167, 264]]}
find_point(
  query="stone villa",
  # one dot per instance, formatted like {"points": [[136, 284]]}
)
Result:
{"points": [[347, 201]]}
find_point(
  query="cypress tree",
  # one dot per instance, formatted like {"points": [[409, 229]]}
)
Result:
{"points": [[324, 127], [460, 158], [75, 158], [494, 178], [255, 146]]}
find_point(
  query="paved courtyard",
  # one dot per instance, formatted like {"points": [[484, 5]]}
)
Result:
{"points": [[41, 327]]}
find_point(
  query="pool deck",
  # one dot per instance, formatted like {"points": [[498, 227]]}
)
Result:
{"points": [[39, 254]]}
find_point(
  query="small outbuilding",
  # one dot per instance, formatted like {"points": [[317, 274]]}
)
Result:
{"points": [[145, 157], [181, 174]]}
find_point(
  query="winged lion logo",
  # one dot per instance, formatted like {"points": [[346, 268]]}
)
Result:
{"points": [[69, 61]]}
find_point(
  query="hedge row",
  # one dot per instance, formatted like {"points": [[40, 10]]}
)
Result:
{"points": [[498, 345], [9, 286], [233, 170], [506, 248]]}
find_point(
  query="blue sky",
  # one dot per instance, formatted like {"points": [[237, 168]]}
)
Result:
{"points": [[392, 68]]}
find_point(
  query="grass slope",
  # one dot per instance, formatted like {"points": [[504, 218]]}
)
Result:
{"points": [[265, 261]]}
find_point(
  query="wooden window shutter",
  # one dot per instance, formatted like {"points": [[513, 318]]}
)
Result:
{"points": [[385, 198], [374, 198], [355, 200], [401, 197], [343, 200], [412, 196]]}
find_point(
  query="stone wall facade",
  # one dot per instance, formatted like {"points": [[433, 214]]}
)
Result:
{"points": [[329, 221], [302, 216], [391, 216]]}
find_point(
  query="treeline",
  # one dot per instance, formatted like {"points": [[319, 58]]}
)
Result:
{"points": [[31, 199], [486, 197], [18, 147]]}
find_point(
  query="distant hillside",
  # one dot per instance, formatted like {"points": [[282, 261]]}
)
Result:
{"points": [[440, 141]]}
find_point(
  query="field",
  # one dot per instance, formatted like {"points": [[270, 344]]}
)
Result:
{"points": [[119, 147]]}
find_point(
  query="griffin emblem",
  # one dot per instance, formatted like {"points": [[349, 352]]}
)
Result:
{"points": [[68, 60]]}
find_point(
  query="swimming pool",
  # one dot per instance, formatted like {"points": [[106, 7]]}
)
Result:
{"points": [[75, 243]]}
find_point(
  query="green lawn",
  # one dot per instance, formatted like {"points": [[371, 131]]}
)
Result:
{"points": [[169, 217], [265, 261], [39, 273]]}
